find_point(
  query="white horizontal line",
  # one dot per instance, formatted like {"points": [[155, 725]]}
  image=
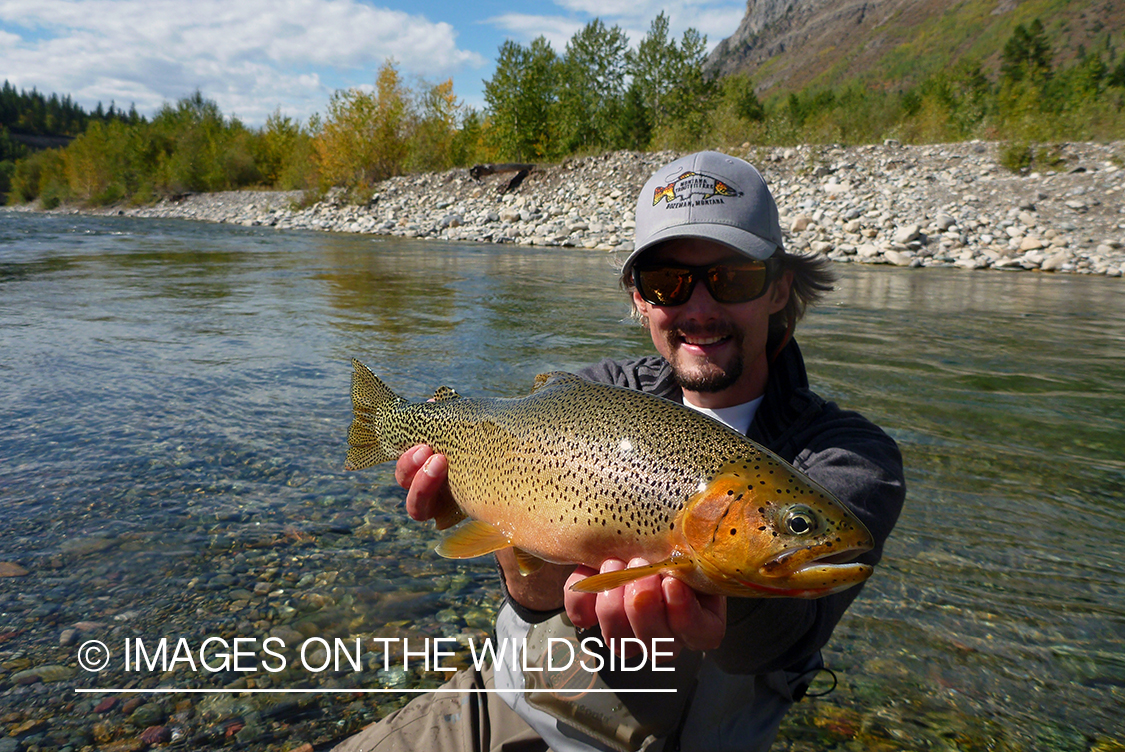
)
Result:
{"points": [[174, 690]]}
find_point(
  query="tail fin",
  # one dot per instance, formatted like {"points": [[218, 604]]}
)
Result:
{"points": [[372, 403]]}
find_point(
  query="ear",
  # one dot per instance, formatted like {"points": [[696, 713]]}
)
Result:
{"points": [[779, 292], [640, 304]]}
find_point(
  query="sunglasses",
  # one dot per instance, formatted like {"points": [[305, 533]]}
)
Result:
{"points": [[728, 282]]}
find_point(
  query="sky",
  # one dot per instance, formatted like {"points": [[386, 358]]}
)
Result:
{"points": [[254, 57]]}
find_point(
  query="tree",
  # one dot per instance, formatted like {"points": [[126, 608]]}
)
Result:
{"points": [[282, 151], [466, 146], [651, 68], [1089, 76], [190, 142], [1027, 54], [363, 138], [1117, 77], [431, 144], [672, 83], [739, 90], [591, 87], [635, 125], [521, 96]]}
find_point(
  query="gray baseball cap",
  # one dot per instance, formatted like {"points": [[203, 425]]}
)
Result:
{"points": [[708, 195]]}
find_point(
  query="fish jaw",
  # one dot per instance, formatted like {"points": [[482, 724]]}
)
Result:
{"points": [[759, 529], [811, 578], [812, 581], [817, 580]]}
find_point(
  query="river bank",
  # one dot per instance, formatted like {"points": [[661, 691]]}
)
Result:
{"points": [[910, 206]]}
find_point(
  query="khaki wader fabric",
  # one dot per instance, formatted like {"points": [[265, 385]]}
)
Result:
{"points": [[448, 722]]}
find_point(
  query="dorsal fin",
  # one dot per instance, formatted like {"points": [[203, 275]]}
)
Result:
{"points": [[445, 393], [543, 379]]}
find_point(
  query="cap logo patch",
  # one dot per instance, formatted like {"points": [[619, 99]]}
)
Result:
{"points": [[693, 189]]}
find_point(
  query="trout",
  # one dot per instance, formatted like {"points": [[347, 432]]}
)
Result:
{"points": [[578, 472]]}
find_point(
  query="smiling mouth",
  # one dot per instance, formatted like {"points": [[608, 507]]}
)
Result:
{"points": [[702, 341]]}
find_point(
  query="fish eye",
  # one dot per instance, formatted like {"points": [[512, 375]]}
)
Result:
{"points": [[800, 521]]}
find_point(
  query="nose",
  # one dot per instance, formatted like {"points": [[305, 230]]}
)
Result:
{"points": [[700, 305]]}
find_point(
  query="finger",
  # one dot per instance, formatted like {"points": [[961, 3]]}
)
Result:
{"points": [[610, 607], [698, 620], [409, 463], [429, 490], [580, 607]]}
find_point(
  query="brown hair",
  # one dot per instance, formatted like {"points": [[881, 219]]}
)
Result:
{"points": [[813, 277]]}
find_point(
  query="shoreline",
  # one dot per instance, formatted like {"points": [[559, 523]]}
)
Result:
{"points": [[947, 205]]}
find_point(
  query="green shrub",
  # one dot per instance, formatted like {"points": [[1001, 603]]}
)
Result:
{"points": [[1017, 157], [40, 176], [7, 168]]}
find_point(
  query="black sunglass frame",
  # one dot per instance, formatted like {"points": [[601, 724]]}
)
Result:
{"points": [[696, 273]]}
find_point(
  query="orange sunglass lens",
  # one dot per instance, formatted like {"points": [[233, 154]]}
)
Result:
{"points": [[734, 284], [666, 286]]}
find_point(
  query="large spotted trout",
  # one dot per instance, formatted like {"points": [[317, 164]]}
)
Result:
{"points": [[579, 472]]}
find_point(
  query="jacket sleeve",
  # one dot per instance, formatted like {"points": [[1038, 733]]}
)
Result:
{"points": [[649, 374], [862, 466]]}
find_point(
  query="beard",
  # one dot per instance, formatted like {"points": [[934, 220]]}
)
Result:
{"points": [[709, 376]]}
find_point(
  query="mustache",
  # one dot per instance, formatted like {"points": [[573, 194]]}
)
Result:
{"points": [[717, 329]]}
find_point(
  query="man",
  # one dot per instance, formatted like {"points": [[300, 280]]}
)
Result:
{"points": [[710, 279]]}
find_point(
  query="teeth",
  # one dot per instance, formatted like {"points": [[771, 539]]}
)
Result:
{"points": [[703, 340]]}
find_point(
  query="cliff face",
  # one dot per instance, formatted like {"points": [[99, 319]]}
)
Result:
{"points": [[794, 36], [797, 43]]}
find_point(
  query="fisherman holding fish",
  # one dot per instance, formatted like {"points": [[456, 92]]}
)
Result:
{"points": [[804, 491]]}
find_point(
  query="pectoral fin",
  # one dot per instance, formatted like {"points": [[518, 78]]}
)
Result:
{"points": [[449, 517], [528, 563], [474, 538], [599, 583]]}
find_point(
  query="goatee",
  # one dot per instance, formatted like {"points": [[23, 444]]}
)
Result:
{"points": [[708, 377]]}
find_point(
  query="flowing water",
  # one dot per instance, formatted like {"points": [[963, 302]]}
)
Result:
{"points": [[173, 404]]}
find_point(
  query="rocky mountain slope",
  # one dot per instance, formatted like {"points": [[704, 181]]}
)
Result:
{"points": [[791, 44]]}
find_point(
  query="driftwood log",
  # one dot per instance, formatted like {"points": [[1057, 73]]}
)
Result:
{"points": [[521, 170]]}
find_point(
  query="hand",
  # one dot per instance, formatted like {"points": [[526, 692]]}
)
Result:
{"points": [[648, 608], [425, 475]]}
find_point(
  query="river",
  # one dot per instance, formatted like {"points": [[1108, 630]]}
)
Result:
{"points": [[174, 402]]}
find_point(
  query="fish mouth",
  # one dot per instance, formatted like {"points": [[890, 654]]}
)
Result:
{"points": [[820, 558]]}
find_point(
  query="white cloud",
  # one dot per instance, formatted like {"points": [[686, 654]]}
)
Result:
{"points": [[718, 23], [525, 27], [717, 19], [250, 56]]}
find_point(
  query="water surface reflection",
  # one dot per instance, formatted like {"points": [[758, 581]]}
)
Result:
{"points": [[175, 402]]}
